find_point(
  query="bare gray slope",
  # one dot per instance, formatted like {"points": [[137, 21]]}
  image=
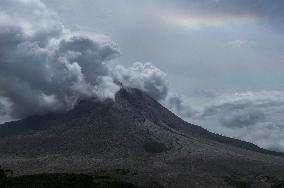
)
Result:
{"points": [[137, 133]]}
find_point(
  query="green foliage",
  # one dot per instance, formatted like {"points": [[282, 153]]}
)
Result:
{"points": [[61, 181], [98, 180]]}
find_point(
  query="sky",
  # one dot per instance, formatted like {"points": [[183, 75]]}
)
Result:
{"points": [[215, 63]]}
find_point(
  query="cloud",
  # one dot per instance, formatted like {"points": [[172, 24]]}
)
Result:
{"points": [[179, 106], [242, 117], [246, 106], [5, 106], [265, 134], [144, 76], [241, 43], [234, 113], [196, 58], [254, 116], [44, 67]]}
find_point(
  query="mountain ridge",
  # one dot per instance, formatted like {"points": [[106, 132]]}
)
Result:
{"points": [[5, 129], [137, 133]]}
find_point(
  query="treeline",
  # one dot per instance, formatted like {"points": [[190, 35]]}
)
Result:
{"points": [[7, 180]]}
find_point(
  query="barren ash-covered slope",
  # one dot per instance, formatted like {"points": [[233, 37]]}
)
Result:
{"points": [[134, 132]]}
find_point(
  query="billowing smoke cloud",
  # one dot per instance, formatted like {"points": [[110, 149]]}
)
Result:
{"points": [[145, 77], [45, 67]]}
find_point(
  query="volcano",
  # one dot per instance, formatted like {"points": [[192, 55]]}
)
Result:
{"points": [[135, 133]]}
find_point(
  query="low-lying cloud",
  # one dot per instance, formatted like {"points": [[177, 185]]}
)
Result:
{"points": [[242, 118], [251, 116]]}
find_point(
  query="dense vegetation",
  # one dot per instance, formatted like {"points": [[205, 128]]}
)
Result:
{"points": [[103, 179], [98, 180]]}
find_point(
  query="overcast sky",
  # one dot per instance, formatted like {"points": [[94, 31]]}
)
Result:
{"points": [[221, 46], [223, 59]]}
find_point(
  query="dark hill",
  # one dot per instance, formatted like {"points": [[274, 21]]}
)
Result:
{"points": [[136, 133]]}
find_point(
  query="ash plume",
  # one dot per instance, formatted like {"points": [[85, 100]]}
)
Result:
{"points": [[44, 67]]}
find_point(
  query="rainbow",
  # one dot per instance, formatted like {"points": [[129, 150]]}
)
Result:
{"points": [[197, 21]]}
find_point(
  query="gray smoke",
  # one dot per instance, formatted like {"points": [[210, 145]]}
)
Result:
{"points": [[5, 107], [178, 105], [145, 76], [45, 67]]}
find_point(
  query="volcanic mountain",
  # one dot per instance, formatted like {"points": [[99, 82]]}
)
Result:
{"points": [[136, 133]]}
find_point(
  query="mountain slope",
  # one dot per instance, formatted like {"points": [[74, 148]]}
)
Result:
{"points": [[133, 132]]}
